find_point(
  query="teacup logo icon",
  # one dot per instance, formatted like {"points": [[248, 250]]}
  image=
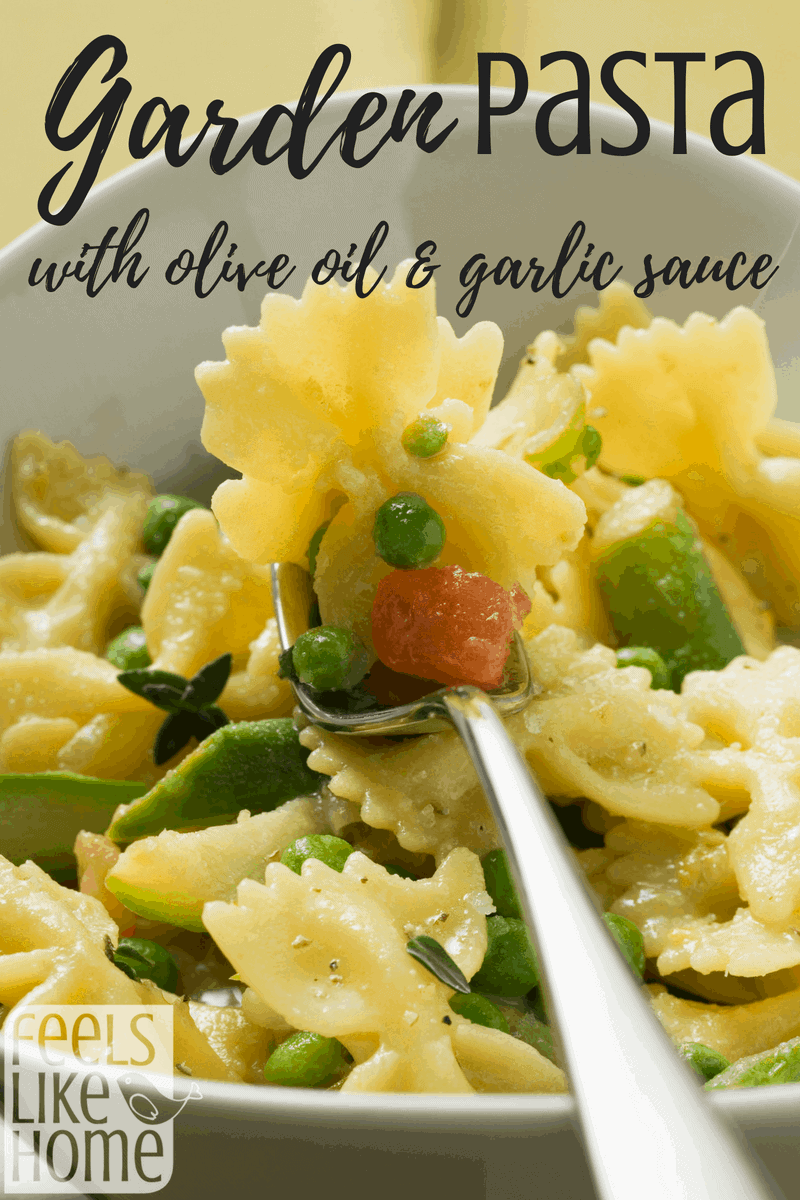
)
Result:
{"points": [[150, 1105]]}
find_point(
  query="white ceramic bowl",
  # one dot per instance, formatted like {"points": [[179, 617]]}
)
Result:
{"points": [[114, 375]]}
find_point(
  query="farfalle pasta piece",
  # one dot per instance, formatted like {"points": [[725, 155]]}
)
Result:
{"points": [[203, 601], [254, 690], [600, 732], [753, 708], [34, 743], [240, 1044], [425, 791], [317, 384], [311, 407], [748, 761], [73, 602], [598, 492], [676, 396], [679, 888], [116, 746], [541, 404], [327, 951], [63, 709], [567, 594], [734, 1030], [59, 495], [61, 683], [618, 307], [27, 581]]}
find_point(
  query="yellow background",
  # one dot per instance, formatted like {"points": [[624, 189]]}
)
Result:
{"points": [[252, 54]]}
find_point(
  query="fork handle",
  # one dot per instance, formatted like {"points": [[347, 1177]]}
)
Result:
{"points": [[648, 1128]]}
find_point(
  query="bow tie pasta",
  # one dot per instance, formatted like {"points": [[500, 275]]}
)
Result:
{"points": [[327, 951], [338, 912], [311, 407]]}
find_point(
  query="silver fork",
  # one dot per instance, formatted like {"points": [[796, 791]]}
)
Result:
{"points": [[648, 1129]]}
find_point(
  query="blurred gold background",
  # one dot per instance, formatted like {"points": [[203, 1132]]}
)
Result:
{"points": [[252, 54]]}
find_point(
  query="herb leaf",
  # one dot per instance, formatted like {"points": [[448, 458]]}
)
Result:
{"points": [[209, 721], [205, 687], [180, 726], [142, 680], [173, 736], [434, 958], [190, 703], [164, 696]]}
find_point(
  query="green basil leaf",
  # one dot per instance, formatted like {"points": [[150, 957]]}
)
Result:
{"points": [[136, 681], [434, 958], [208, 721], [206, 686], [163, 696], [172, 736]]}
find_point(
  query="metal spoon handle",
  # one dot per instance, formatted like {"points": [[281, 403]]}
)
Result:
{"points": [[648, 1128]]}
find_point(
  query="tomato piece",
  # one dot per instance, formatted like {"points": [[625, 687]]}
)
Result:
{"points": [[446, 624]]}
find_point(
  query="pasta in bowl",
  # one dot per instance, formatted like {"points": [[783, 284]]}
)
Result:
{"points": [[357, 890]]}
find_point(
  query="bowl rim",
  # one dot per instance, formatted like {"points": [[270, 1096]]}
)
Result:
{"points": [[480, 1113]]}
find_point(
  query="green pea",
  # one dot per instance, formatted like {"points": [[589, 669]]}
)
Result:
{"points": [[500, 884], [408, 532], [510, 967], [333, 851], [425, 437], [307, 1060], [145, 575], [140, 959], [128, 650], [163, 514], [479, 1010], [313, 548], [395, 869], [706, 1062], [629, 940], [645, 656], [328, 658]]}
